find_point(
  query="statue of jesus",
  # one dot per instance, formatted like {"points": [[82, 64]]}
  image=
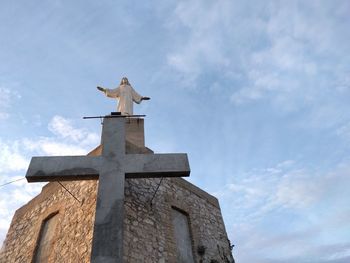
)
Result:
{"points": [[126, 95]]}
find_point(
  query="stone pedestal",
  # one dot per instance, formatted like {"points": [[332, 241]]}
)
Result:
{"points": [[134, 129], [135, 138]]}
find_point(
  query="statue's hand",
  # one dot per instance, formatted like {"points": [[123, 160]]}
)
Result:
{"points": [[101, 89], [146, 98]]}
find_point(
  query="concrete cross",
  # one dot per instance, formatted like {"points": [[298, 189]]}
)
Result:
{"points": [[110, 168]]}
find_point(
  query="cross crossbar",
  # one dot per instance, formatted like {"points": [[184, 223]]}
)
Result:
{"points": [[156, 165], [63, 168]]}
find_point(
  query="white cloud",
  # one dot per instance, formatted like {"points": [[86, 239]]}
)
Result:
{"points": [[68, 140], [14, 160], [203, 46], [6, 98], [284, 187], [297, 190], [50, 146], [11, 158], [293, 55], [63, 128], [342, 253], [289, 210], [280, 70]]}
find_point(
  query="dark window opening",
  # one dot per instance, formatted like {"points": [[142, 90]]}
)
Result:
{"points": [[46, 238], [182, 235]]}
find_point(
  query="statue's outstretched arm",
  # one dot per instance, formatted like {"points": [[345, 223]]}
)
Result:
{"points": [[101, 89], [145, 98]]}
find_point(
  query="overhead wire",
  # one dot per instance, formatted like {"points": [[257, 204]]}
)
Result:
{"points": [[12, 181]]}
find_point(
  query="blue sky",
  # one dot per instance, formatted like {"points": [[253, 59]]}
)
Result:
{"points": [[256, 92]]}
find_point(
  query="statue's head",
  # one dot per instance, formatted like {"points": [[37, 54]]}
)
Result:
{"points": [[125, 81]]}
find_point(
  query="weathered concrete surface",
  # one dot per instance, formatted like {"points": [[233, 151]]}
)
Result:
{"points": [[134, 129], [156, 165], [111, 167], [61, 168], [107, 244]]}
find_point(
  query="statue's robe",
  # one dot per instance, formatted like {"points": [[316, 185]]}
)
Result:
{"points": [[126, 95]]}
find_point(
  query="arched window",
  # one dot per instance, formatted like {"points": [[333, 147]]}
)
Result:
{"points": [[182, 234], [46, 238]]}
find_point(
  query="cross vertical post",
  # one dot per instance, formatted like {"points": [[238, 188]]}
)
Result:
{"points": [[107, 245]]}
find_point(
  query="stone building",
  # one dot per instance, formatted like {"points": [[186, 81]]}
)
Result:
{"points": [[165, 220]]}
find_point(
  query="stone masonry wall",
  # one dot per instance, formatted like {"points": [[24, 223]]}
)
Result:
{"points": [[148, 233], [73, 232]]}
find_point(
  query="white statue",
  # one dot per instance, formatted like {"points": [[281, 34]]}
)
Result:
{"points": [[126, 95]]}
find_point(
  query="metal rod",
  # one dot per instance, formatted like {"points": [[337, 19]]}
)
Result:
{"points": [[156, 189], [69, 192], [114, 116]]}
